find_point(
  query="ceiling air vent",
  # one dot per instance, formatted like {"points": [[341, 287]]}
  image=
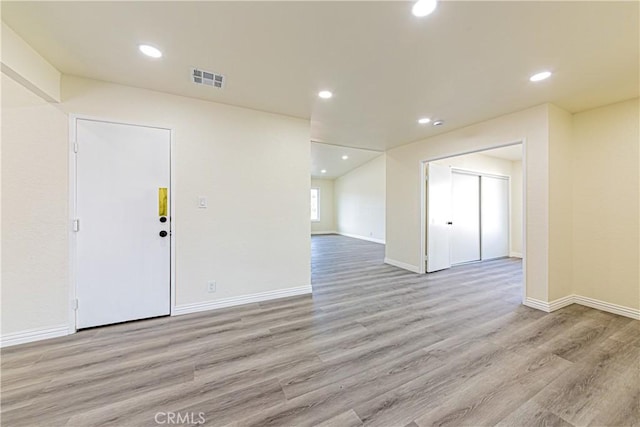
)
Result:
{"points": [[207, 78]]}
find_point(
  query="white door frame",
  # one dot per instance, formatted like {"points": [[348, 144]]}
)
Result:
{"points": [[73, 210], [422, 210]]}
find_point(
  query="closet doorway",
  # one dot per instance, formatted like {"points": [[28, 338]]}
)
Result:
{"points": [[480, 216], [473, 208]]}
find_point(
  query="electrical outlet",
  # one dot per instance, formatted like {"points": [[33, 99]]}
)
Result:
{"points": [[211, 286]]}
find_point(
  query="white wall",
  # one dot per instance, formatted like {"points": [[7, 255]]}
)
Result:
{"points": [[360, 197], [327, 222], [404, 186], [605, 217], [35, 264], [25, 65], [560, 204], [485, 163], [582, 200], [253, 238]]}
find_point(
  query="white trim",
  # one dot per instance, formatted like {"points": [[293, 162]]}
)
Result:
{"points": [[323, 232], [537, 304], [72, 235], [172, 221], [549, 307], [633, 313], [31, 335], [478, 173], [524, 218], [515, 254], [561, 303], [244, 299], [72, 326], [423, 218], [403, 265], [357, 236]]}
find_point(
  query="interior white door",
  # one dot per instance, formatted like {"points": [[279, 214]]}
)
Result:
{"points": [[495, 217], [465, 211], [123, 256], [438, 217]]}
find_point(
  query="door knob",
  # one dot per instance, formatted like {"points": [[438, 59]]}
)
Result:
{"points": [[163, 233], [449, 223]]}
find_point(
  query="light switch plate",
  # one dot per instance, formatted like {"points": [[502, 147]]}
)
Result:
{"points": [[202, 202]]}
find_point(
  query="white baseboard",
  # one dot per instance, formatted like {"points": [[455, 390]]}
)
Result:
{"points": [[561, 302], [357, 236], [515, 254], [607, 306], [537, 304], [244, 299], [24, 337], [31, 335], [587, 302], [323, 232], [402, 265]]}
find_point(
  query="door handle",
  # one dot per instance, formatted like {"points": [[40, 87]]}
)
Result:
{"points": [[449, 223], [163, 233]]}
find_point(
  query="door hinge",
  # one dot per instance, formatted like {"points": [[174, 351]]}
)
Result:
{"points": [[75, 147], [76, 225], [74, 304]]}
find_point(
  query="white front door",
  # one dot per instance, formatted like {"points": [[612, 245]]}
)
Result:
{"points": [[438, 217], [123, 239], [465, 231]]}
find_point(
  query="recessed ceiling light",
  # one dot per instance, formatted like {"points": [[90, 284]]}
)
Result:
{"points": [[540, 76], [424, 7], [424, 120], [150, 51], [438, 123], [325, 94], [323, 171], [345, 157]]}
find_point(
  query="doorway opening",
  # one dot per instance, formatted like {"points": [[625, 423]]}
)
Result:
{"points": [[472, 208]]}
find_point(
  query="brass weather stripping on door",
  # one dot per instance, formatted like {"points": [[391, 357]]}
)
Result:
{"points": [[162, 201]]}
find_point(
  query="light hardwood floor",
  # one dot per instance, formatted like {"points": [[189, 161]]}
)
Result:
{"points": [[375, 345]]}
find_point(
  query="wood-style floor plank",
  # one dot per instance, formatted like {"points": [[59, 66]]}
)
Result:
{"points": [[374, 345]]}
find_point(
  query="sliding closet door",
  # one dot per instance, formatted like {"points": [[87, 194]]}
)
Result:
{"points": [[495, 217], [465, 230]]}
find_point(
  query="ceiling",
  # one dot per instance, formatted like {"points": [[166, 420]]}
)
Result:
{"points": [[465, 63], [329, 158]]}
